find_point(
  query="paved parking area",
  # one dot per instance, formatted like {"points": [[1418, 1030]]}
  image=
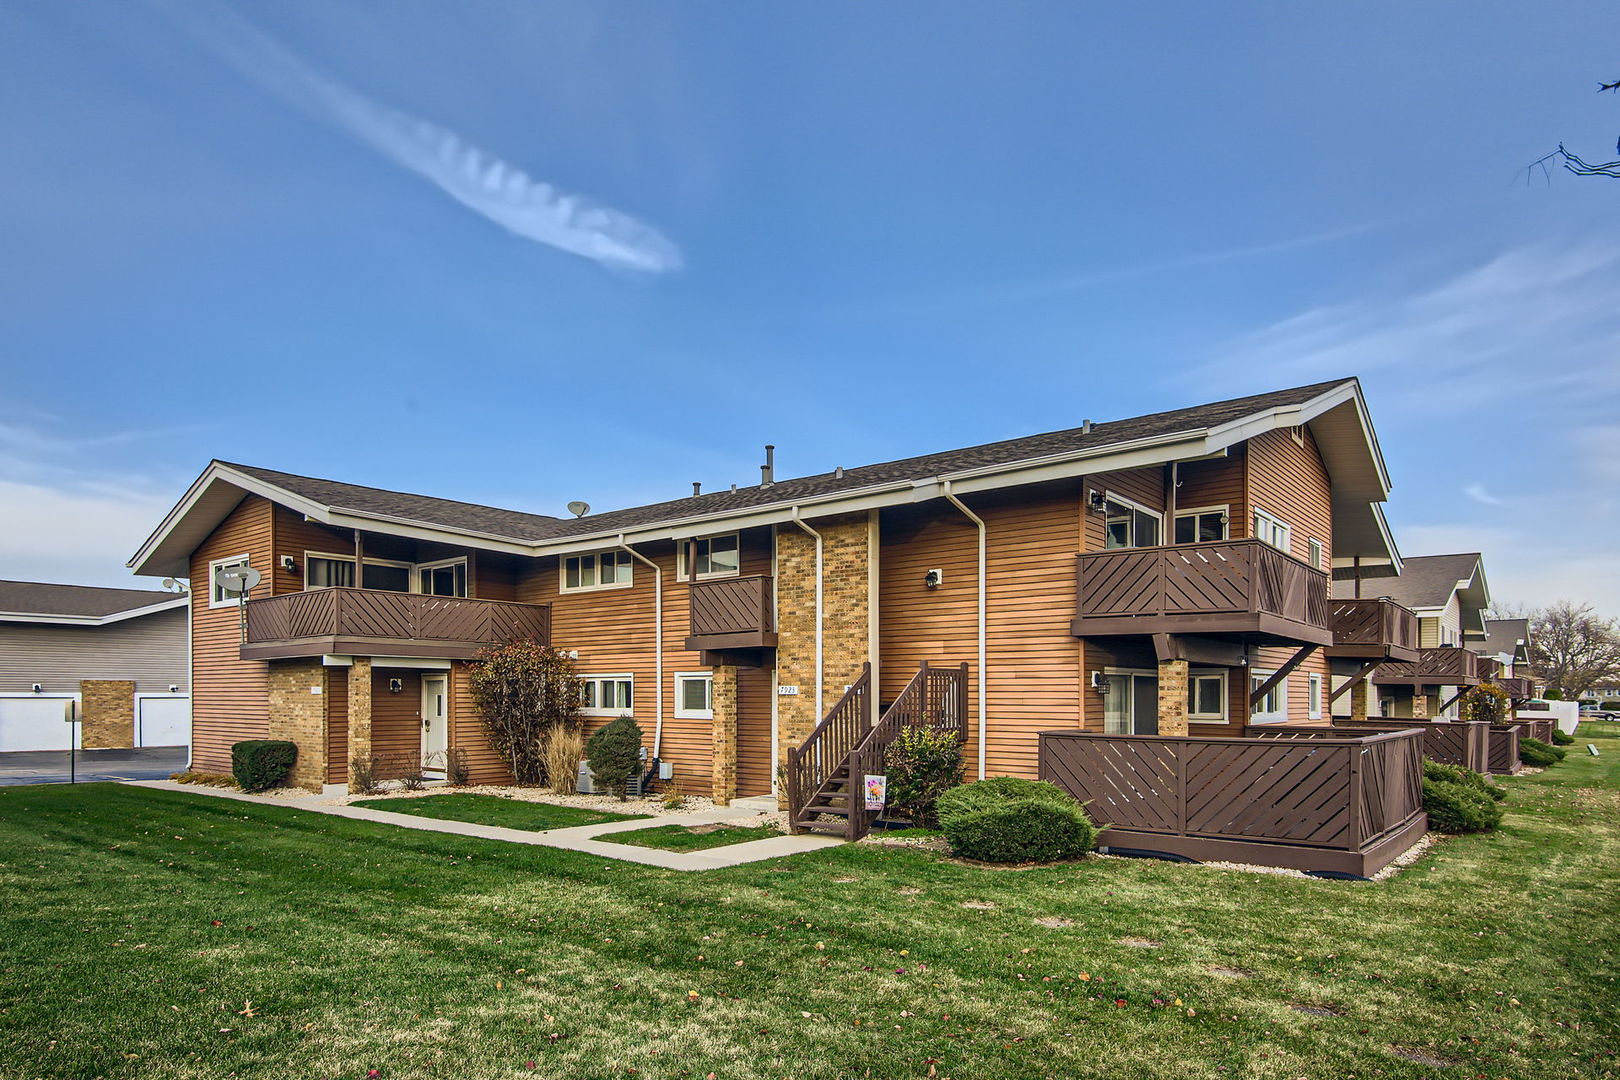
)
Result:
{"points": [[52, 766]]}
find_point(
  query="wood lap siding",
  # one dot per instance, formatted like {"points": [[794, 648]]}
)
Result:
{"points": [[337, 725], [396, 719], [230, 696], [1146, 486]]}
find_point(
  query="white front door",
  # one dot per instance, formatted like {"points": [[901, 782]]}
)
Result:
{"points": [[435, 724]]}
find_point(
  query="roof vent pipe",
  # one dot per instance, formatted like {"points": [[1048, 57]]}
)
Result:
{"points": [[767, 471], [697, 487], [1085, 427], [838, 473]]}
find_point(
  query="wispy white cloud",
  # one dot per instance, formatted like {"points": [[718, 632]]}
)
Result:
{"points": [[1478, 493], [479, 180]]}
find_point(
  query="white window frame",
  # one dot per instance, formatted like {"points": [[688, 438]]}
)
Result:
{"points": [[214, 565], [1196, 512], [331, 557], [1111, 497], [1318, 551], [616, 710], [1267, 526], [681, 546], [682, 713], [1279, 714], [1192, 697], [466, 574], [1313, 694], [621, 559]]}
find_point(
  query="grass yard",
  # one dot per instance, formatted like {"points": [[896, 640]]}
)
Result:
{"points": [[495, 810], [159, 934], [684, 838]]}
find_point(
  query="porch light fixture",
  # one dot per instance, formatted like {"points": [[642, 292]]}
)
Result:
{"points": [[396, 686], [933, 579], [289, 564], [1096, 501]]}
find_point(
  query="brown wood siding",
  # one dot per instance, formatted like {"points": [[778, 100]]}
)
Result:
{"points": [[294, 536], [337, 725], [1215, 483], [230, 696], [396, 719], [484, 766]]}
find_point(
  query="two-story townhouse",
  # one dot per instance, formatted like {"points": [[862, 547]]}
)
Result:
{"points": [[1507, 643], [1166, 573]]}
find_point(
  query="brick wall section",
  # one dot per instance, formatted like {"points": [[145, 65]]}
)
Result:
{"points": [[297, 690], [846, 625], [1173, 697], [359, 711], [107, 714], [1358, 700], [724, 700], [1420, 705]]}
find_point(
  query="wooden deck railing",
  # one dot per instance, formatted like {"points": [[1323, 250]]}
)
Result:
{"points": [[1372, 627], [1193, 581], [1502, 758], [934, 698], [1489, 668], [736, 605], [355, 615], [829, 745], [1449, 742], [1519, 689], [1433, 667]]}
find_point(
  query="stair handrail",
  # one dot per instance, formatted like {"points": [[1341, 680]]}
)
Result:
{"points": [[934, 698], [829, 744]]}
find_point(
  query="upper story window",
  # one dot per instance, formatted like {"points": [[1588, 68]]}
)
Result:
{"points": [[219, 595], [327, 571], [1201, 526], [601, 570], [447, 578], [607, 695], [715, 556], [1273, 530], [1318, 552], [387, 576], [1313, 689], [324, 570], [1131, 525]]}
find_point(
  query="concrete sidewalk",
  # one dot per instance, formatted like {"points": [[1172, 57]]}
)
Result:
{"points": [[576, 838]]}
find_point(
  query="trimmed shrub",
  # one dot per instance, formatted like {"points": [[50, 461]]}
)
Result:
{"points": [[1456, 774], [1459, 808], [1537, 753], [1006, 819], [261, 764], [922, 764], [1562, 737], [615, 755], [1487, 702]]}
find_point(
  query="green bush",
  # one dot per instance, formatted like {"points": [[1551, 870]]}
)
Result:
{"points": [[1456, 774], [1006, 819], [615, 754], [922, 764], [1562, 737], [1459, 808], [1535, 752], [261, 764]]}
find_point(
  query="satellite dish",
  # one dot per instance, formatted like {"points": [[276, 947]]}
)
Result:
{"points": [[170, 583], [237, 579], [579, 509]]}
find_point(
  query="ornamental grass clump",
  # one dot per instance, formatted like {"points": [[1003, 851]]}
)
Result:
{"points": [[564, 747], [1006, 819], [1539, 754], [615, 754], [922, 764]]}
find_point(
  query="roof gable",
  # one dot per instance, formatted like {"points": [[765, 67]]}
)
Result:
{"points": [[38, 601]]}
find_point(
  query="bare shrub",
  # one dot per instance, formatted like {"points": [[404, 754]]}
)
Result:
{"points": [[564, 745]]}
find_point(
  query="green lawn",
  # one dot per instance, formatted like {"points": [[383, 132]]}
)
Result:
{"points": [[159, 934], [682, 838], [495, 810]]}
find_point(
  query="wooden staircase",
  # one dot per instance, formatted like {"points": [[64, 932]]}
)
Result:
{"points": [[826, 776]]}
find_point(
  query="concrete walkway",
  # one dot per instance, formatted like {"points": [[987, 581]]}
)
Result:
{"points": [[576, 838]]}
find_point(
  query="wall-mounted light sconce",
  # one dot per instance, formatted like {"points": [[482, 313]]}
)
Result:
{"points": [[174, 688], [396, 686], [933, 579], [289, 564], [38, 689], [1099, 682], [1096, 501]]}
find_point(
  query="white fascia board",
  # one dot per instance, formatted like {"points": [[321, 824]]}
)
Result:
{"points": [[1285, 416], [144, 553], [93, 620]]}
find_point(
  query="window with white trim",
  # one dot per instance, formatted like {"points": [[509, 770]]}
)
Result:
{"points": [[386, 575], [1318, 552], [1206, 697], [445, 578], [1130, 524], [694, 695], [607, 695], [219, 595], [599, 570], [716, 556], [1201, 526], [1273, 530], [1313, 691], [327, 571], [1273, 708]]}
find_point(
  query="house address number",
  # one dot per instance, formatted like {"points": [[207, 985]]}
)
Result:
{"points": [[787, 691]]}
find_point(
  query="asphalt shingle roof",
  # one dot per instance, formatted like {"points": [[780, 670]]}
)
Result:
{"points": [[1425, 581], [40, 598], [1503, 636]]}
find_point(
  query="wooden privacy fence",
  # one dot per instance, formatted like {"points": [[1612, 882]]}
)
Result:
{"points": [[1339, 802], [1457, 742], [1224, 577], [377, 614], [732, 605], [1502, 757], [1518, 688]]}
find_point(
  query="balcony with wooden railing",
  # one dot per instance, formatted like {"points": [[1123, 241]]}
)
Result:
{"points": [[1434, 667], [374, 622], [732, 613], [1519, 689], [1378, 629], [1242, 589]]}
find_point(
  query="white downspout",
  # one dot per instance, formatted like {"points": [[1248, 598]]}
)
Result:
{"points": [[820, 707], [658, 636], [983, 689]]}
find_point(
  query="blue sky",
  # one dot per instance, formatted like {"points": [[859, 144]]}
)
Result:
{"points": [[523, 253]]}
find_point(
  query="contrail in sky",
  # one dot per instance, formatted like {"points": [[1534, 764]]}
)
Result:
{"points": [[482, 182]]}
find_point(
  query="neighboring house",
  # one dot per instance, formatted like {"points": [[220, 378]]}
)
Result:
{"points": [[1507, 642], [730, 623], [1449, 595], [120, 654]]}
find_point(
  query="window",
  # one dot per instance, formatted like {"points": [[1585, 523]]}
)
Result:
{"points": [[1318, 553], [448, 578], [1201, 526], [1131, 525], [717, 556], [603, 570], [1206, 697], [607, 695], [218, 595], [1314, 695], [327, 571], [1272, 708], [387, 576], [1273, 531], [694, 695]]}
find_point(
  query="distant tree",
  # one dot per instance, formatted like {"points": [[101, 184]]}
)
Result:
{"points": [[1572, 162], [1573, 649]]}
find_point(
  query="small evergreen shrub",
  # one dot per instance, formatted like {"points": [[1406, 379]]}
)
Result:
{"points": [[1562, 737], [615, 754], [1008, 820], [922, 764], [1459, 808], [1537, 753], [261, 764], [1456, 774]]}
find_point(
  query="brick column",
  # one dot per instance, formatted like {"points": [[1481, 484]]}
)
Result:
{"points": [[724, 773], [1172, 697], [359, 711], [1359, 695], [297, 702], [1420, 703], [106, 714]]}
